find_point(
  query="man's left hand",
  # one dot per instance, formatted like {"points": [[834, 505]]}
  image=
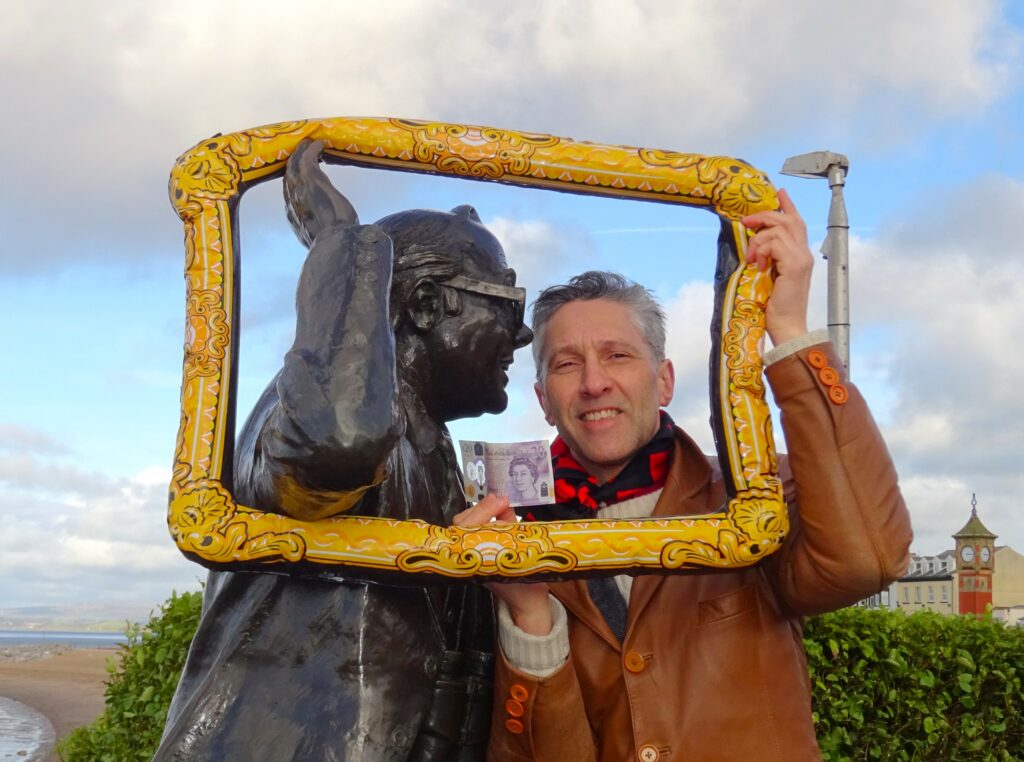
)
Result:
{"points": [[527, 601], [781, 241]]}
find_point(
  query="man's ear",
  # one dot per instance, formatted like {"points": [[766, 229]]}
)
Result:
{"points": [[666, 382], [425, 306], [538, 388]]}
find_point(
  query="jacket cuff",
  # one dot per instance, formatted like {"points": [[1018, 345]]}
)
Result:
{"points": [[536, 655], [794, 345]]}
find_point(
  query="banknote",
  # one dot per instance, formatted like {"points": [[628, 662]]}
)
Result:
{"points": [[520, 471]]}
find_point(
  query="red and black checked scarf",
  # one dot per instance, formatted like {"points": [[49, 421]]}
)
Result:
{"points": [[577, 493]]}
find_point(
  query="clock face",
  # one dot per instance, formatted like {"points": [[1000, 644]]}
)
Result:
{"points": [[967, 554], [986, 554]]}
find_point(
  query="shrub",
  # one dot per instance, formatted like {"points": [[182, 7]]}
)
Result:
{"points": [[920, 687], [886, 686], [140, 688]]}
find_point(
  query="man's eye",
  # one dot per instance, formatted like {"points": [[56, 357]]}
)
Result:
{"points": [[563, 365]]}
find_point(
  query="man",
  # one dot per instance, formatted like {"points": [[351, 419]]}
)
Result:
{"points": [[401, 326], [701, 666]]}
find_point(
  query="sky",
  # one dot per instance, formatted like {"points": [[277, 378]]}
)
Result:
{"points": [[924, 97]]}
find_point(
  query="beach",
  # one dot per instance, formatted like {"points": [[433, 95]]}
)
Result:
{"points": [[64, 685]]}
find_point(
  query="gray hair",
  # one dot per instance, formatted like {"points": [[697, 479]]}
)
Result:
{"points": [[594, 284]]}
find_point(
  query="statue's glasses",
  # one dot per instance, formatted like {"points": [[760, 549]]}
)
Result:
{"points": [[514, 294]]}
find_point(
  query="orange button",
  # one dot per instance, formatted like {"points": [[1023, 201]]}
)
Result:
{"points": [[635, 662], [514, 708], [817, 359], [518, 692], [838, 394], [648, 753], [828, 376], [514, 726]]}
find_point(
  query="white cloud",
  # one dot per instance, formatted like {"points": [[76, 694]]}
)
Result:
{"points": [[939, 294], [98, 109], [541, 253], [688, 345], [72, 536], [117, 95]]}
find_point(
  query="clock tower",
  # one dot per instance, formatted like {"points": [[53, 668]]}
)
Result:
{"points": [[975, 562]]}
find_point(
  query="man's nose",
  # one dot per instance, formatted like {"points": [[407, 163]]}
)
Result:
{"points": [[594, 381], [523, 336]]}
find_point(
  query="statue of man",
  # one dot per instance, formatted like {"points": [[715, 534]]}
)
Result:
{"points": [[401, 326]]}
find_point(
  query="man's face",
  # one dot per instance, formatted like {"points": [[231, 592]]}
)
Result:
{"points": [[600, 385]]}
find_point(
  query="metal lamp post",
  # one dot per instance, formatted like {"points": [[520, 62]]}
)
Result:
{"points": [[834, 167]]}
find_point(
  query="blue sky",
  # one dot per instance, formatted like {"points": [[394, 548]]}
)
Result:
{"points": [[924, 97]]}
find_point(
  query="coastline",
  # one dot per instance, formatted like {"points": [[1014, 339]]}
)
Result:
{"points": [[62, 683]]}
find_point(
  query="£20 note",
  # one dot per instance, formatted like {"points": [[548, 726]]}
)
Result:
{"points": [[520, 471]]}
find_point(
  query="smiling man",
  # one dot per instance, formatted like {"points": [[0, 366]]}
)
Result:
{"points": [[701, 666]]}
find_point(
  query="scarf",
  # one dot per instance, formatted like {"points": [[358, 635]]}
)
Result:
{"points": [[578, 494]]}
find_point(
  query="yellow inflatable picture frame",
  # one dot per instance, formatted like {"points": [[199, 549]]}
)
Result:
{"points": [[209, 527]]}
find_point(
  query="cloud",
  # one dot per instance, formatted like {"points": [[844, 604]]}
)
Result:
{"points": [[939, 293], [117, 95], [72, 536], [15, 438], [542, 253], [936, 301]]}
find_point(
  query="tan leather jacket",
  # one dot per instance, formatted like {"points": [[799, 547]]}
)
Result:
{"points": [[713, 666]]}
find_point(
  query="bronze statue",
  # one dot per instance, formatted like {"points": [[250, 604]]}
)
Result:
{"points": [[401, 326]]}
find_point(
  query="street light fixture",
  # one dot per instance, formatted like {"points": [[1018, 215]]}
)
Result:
{"points": [[836, 248]]}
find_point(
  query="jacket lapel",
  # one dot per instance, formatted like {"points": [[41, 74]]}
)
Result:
{"points": [[689, 490]]}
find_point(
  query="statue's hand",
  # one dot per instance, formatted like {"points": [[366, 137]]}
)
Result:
{"points": [[312, 203], [527, 601]]}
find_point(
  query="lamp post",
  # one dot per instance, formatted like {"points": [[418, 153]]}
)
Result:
{"points": [[836, 248]]}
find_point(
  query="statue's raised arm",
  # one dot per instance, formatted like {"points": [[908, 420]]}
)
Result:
{"points": [[321, 432]]}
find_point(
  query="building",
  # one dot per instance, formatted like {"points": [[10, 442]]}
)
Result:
{"points": [[975, 562], [1008, 586], [929, 584], [972, 578]]}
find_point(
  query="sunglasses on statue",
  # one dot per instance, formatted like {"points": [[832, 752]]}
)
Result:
{"points": [[514, 294]]}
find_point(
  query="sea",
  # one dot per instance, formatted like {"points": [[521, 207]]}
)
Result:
{"points": [[25, 734], [62, 638]]}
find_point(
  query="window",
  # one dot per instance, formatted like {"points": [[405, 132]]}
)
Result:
{"points": [[917, 593], [945, 594], [931, 594], [906, 593]]}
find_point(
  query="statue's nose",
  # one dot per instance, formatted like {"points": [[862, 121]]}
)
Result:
{"points": [[523, 336]]}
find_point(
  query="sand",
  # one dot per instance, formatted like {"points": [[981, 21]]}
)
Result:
{"points": [[64, 685]]}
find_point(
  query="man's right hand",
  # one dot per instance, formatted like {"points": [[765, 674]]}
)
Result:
{"points": [[527, 601]]}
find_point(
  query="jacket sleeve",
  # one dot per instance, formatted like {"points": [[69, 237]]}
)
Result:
{"points": [[538, 719], [850, 534]]}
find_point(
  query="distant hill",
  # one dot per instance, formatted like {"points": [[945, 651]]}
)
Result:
{"points": [[79, 617]]}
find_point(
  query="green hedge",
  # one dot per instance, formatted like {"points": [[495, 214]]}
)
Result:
{"points": [[140, 688], [920, 687], [886, 686]]}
